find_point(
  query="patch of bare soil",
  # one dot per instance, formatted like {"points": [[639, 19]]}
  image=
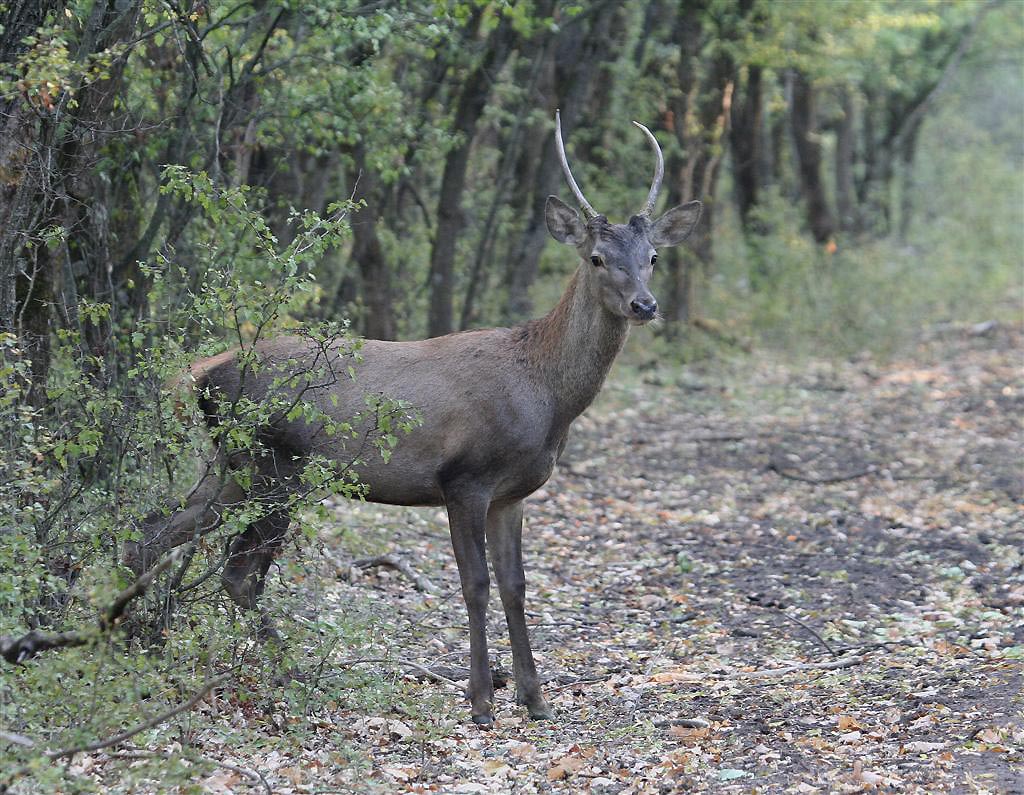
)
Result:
{"points": [[781, 579]]}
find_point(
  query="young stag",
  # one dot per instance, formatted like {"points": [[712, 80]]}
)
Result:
{"points": [[496, 406]]}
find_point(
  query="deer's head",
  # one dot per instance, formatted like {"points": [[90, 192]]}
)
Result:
{"points": [[620, 258]]}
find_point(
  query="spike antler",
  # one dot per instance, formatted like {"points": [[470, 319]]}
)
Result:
{"points": [[588, 212], [659, 172]]}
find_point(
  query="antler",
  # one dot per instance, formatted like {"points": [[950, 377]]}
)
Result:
{"points": [[659, 172], [588, 212]]}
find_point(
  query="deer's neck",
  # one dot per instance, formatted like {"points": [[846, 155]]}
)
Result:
{"points": [[574, 346]]}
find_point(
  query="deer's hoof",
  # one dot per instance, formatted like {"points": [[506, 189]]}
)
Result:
{"points": [[540, 711], [484, 721], [536, 706]]}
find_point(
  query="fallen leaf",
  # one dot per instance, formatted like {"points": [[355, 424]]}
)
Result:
{"points": [[921, 747], [689, 735], [988, 735], [565, 766], [494, 766], [400, 772], [668, 677], [293, 774]]}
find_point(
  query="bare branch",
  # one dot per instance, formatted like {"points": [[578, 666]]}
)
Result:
{"points": [[16, 650], [420, 582], [156, 720], [949, 70]]}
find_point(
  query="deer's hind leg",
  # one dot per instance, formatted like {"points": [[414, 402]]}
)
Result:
{"points": [[250, 553], [249, 558], [203, 512]]}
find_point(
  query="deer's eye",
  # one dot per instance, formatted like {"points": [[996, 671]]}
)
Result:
{"points": [[654, 259], [596, 261]]}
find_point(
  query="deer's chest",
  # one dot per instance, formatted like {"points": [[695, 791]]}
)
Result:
{"points": [[528, 470]]}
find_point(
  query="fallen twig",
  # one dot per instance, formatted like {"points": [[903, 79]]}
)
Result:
{"points": [[685, 723], [587, 681], [414, 666], [419, 582], [257, 778], [422, 669], [780, 470], [831, 665], [17, 739], [811, 630]]}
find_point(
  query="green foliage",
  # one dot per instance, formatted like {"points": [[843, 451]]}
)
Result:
{"points": [[79, 477]]}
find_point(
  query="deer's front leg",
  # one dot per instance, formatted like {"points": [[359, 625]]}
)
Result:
{"points": [[505, 543], [466, 516]]}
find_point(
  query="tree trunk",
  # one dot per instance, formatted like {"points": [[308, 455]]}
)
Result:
{"points": [[908, 151], [26, 283], [472, 101], [845, 134], [521, 150], [701, 110], [379, 319], [83, 204], [745, 141], [808, 151], [874, 188]]}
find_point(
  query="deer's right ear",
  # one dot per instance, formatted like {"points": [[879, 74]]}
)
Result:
{"points": [[564, 222]]}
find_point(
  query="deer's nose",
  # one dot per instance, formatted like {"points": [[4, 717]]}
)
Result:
{"points": [[644, 308]]}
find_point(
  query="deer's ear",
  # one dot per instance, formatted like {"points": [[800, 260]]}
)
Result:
{"points": [[675, 225], [563, 222]]}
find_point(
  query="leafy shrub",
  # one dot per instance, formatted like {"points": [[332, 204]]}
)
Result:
{"points": [[116, 438]]}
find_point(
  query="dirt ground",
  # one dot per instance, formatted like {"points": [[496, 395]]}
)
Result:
{"points": [[753, 578], [775, 579]]}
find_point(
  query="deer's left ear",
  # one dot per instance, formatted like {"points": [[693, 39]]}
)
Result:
{"points": [[675, 225]]}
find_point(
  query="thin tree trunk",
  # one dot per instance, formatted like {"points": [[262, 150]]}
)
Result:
{"points": [[24, 299], [745, 141], [519, 158], [83, 204], [808, 150], [845, 134], [368, 254], [701, 110], [908, 152], [450, 219]]}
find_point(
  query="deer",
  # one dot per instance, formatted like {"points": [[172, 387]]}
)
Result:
{"points": [[496, 406]]}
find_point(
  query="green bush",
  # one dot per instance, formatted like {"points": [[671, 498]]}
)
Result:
{"points": [[113, 443]]}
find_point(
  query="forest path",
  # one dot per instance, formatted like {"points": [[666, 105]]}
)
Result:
{"points": [[859, 525]]}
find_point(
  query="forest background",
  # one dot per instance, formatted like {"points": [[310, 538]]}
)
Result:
{"points": [[180, 176]]}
